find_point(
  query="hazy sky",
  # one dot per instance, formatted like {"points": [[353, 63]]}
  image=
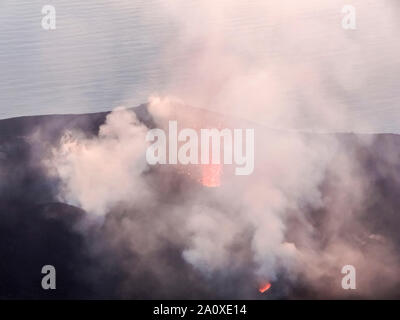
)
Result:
{"points": [[104, 54]]}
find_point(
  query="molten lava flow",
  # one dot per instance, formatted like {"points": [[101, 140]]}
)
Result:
{"points": [[211, 175], [265, 287]]}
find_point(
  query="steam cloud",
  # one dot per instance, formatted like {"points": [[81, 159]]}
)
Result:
{"points": [[305, 211], [263, 224]]}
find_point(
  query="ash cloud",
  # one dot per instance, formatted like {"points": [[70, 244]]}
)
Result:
{"points": [[291, 225], [315, 202], [295, 226]]}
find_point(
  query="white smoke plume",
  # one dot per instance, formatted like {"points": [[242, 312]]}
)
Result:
{"points": [[102, 171], [290, 83]]}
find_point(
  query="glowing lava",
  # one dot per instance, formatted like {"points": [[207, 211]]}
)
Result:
{"points": [[265, 287], [211, 175]]}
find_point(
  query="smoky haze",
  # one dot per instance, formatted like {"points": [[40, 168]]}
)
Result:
{"points": [[316, 201], [166, 235]]}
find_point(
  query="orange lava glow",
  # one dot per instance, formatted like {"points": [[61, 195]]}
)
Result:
{"points": [[211, 175], [265, 287]]}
